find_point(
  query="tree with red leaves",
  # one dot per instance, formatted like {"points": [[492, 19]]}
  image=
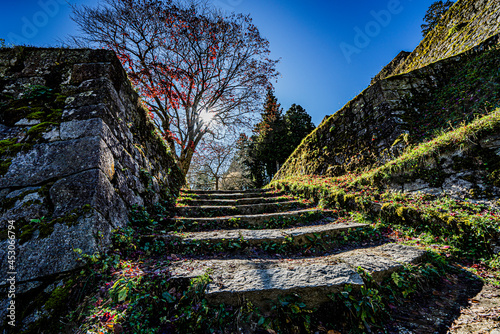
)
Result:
{"points": [[197, 69]]}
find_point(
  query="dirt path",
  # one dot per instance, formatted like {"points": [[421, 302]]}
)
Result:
{"points": [[460, 304], [482, 315]]}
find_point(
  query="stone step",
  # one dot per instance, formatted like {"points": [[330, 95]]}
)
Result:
{"points": [[233, 202], [215, 192], [246, 220], [237, 195], [298, 236], [245, 209], [261, 280]]}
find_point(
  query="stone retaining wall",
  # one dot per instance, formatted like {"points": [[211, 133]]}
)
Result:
{"points": [[468, 23], [77, 152], [377, 125]]}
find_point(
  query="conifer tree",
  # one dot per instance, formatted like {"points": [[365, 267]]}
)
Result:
{"points": [[298, 124], [275, 138], [434, 14], [267, 136]]}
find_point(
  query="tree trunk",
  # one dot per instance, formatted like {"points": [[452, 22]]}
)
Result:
{"points": [[168, 138], [216, 183], [185, 160]]}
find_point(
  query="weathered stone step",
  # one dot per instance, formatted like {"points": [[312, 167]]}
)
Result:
{"points": [[239, 195], [259, 280], [233, 202], [245, 209], [297, 236], [242, 220], [210, 192]]}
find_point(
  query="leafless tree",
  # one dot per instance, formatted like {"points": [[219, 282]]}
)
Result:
{"points": [[212, 160]]}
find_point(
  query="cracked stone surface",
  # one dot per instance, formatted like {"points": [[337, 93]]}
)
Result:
{"points": [[249, 219], [200, 210], [259, 236], [313, 283], [313, 278], [233, 202], [378, 266], [237, 195], [402, 253], [216, 192]]}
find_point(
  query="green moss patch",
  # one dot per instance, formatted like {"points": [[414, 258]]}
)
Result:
{"points": [[45, 225], [8, 203], [417, 156], [37, 103], [470, 227], [59, 297], [36, 131], [10, 148], [52, 303], [4, 166]]}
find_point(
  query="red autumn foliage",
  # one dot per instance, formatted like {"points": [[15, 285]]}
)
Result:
{"points": [[184, 60]]}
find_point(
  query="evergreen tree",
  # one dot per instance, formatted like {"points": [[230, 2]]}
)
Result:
{"points": [[275, 138], [267, 136], [298, 124], [434, 14], [255, 165]]}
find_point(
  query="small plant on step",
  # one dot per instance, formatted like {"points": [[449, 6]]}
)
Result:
{"points": [[365, 308], [290, 315]]}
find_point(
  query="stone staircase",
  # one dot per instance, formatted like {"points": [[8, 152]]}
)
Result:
{"points": [[256, 246]]}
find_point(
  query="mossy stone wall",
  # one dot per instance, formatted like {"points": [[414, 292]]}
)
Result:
{"points": [[370, 130], [466, 25], [398, 111], [77, 151]]}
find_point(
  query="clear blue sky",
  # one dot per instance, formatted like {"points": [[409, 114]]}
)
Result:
{"points": [[308, 36]]}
